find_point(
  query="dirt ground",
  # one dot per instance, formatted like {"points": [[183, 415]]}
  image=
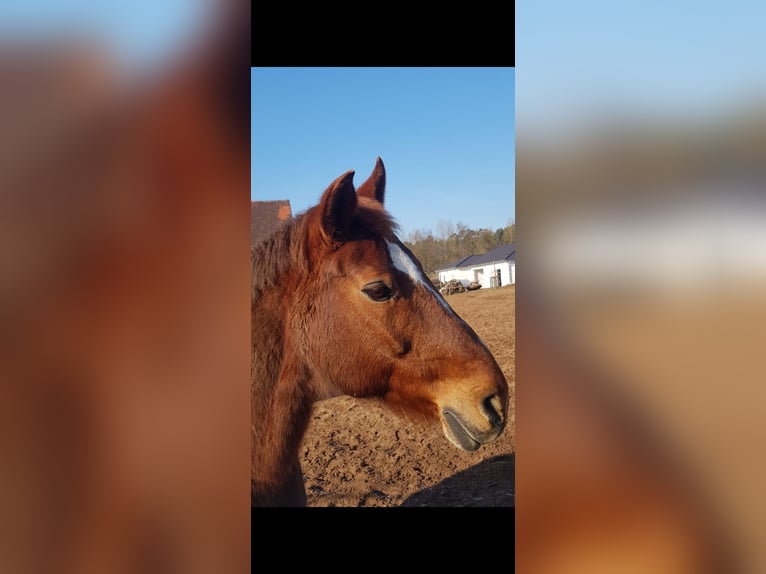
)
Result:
{"points": [[358, 453]]}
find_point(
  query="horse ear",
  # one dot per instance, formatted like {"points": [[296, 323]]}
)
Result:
{"points": [[337, 207], [375, 186]]}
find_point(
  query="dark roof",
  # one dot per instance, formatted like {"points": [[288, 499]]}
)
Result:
{"points": [[266, 217], [456, 263], [505, 252]]}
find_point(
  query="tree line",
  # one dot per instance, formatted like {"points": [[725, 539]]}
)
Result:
{"points": [[451, 242]]}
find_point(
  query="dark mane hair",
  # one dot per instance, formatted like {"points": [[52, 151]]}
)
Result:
{"points": [[274, 256], [371, 219]]}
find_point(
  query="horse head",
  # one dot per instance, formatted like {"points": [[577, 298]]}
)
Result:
{"points": [[371, 324]]}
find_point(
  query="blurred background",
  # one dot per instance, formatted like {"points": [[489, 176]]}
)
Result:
{"points": [[124, 323], [641, 172], [124, 341]]}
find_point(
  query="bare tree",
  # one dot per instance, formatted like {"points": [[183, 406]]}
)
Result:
{"points": [[453, 242]]}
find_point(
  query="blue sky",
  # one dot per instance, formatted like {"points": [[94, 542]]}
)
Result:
{"points": [[445, 135], [685, 59], [139, 34]]}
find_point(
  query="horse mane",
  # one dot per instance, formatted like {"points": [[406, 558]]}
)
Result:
{"points": [[290, 249], [275, 256]]}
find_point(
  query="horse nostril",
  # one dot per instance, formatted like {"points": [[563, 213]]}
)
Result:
{"points": [[490, 406]]}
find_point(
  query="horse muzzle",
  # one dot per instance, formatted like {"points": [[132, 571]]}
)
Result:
{"points": [[468, 429]]}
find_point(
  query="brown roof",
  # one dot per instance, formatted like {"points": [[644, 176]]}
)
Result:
{"points": [[266, 217]]}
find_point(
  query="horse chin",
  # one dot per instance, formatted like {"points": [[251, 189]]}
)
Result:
{"points": [[471, 414], [463, 435], [456, 432]]}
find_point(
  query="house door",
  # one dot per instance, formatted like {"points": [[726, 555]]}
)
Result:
{"points": [[499, 282]]}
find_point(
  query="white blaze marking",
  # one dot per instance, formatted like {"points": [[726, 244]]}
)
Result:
{"points": [[405, 264]]}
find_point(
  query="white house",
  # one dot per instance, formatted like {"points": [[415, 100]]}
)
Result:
{"points": [[495, 268]]}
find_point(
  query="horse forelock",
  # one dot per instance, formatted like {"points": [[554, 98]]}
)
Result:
{"points": [[371, 219]]}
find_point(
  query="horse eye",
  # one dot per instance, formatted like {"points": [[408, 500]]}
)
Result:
{"points": [[378, 291]]}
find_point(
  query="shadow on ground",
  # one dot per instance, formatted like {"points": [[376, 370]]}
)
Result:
{"points": [[489, 483]]}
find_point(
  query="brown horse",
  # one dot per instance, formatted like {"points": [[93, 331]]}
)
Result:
{"points": [[341, 306]]}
